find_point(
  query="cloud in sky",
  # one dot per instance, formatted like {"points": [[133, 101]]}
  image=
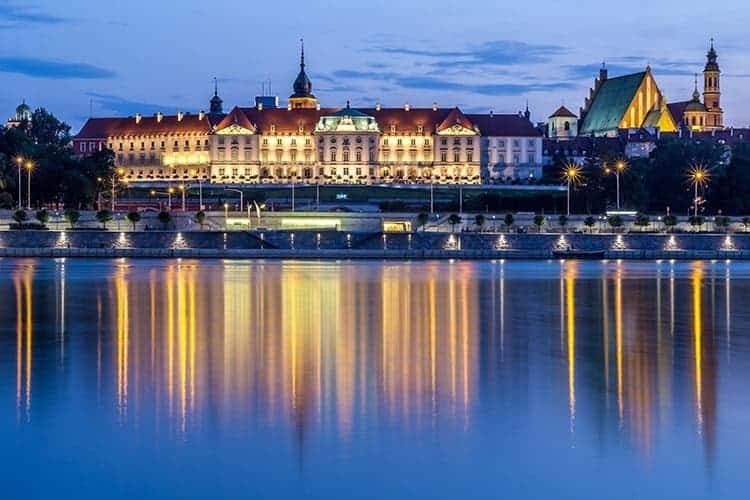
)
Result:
{"points": [[55, 70], [491, 53], [125, 107], [439, 84], [12, 15]]}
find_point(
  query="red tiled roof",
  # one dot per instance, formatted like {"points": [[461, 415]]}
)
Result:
{"points": [[563, 112], [504, 125], [100, 128], [456, 117], [236, 117], [677, 110]]}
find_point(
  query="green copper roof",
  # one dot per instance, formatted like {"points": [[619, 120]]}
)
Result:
{"points": [[610, 104]]}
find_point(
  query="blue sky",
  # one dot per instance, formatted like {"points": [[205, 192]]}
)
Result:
{"points": [[130, 56]]}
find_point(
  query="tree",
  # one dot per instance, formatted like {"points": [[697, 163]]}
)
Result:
{"points": [[104, 216], [165, 218], [508, 220], [422, 219], [454, 220], [42, 216], [200, 218], [539, 221], [71, 215], [20, 216], [479, 220], [722, 221], [562, 220], [642, 220], [696, 221], [670, 221], [589, 222], [134, 218], [615, 221]]}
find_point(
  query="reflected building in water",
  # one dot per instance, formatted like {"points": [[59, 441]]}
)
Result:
{"points": [[315, 350]]}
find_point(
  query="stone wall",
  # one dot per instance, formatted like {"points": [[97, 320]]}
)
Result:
{"points": [[338, 244]]}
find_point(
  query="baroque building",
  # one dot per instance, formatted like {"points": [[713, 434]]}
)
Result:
{"points": [[306, 143]]}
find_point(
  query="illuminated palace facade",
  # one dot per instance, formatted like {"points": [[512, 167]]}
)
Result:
{"points": [[306, 143]]}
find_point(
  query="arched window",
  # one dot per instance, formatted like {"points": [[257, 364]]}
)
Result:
{"points": [[333, 154], [346, 155]]}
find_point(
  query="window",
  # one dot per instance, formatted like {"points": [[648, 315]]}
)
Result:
{"points": [[293, 155], [427, 142], [566, 126], [320, 156], [358, 155], [265, 141], [222, 155], [456, 156], [385, 141], [456, 141], [469, 141], [444, 141], [333, 155], [235, 172], [222, 172], [530, 143], [420, 128], [346, 171], [444, 156], [501, 144], [308, 142], [278, 142], [413, 142], [248, 154], [399, 142], [294, 141], [346, 155], [235, 154], [470, 156], [221, 140]]}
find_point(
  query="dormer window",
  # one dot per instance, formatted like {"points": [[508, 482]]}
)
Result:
{"points": [[273, 129], [393, 128], [420, 128]]}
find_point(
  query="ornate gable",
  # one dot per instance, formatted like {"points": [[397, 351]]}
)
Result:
{"points": [[457, 123], [236, 123]]}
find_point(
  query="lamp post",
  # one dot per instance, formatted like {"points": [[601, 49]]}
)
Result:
{"points": [[19, 162], [292, 193], [699, 177], [432, 196], [118, 172], [184, 190], [29, 168], [242, 204], [619, 168], [572, 174], [226, 215]]}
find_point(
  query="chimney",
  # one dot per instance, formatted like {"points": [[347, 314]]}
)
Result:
{"points": [[259, 105], [434, 106], [377, 106], [317, 107], [138, 118], [159, 117], [492, 113], [201, 115], [289, 106], [180, 116], [407, 107]]}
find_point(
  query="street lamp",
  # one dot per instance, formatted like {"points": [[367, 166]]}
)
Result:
{"points": [[699, 177], [169, 197], [29, 168], [183, 189], [572, 174], [19, 162], [242, 204]]}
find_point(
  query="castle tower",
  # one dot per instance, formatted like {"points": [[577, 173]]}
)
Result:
{"points": [[302, 98], [712, 91], [216, 104]]}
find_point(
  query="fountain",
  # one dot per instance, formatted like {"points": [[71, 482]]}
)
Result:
{"points": [[501, 243], [562, 243], [451, 243], [728, 244], [179, 242], [123, 241], [671, 244], [62, 241], [619, 243]]}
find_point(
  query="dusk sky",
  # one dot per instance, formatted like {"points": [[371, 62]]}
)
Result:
{"points": [[146, 56]]}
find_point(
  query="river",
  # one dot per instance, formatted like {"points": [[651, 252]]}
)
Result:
{"points": [[370, 379]]}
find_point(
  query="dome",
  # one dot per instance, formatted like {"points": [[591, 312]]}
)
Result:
{"points": [[302, 84], [695, 106], [23, 111]]}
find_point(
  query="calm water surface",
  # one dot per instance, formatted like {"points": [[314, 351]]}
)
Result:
{"points": [[140, 379]]}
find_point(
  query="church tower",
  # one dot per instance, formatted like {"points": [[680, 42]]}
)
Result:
{"points": [[302, 98], [216, 104], [712, 91]]}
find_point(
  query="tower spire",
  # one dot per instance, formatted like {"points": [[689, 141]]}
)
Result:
{"points": [[216, 104], [216, 87], [302, 53]]}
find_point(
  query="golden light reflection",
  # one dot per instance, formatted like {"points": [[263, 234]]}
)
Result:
{"points": [[570, 313], [697, 281], [22, 283]]}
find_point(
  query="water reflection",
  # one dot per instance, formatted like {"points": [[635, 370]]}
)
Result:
{"points": [[341, 350]]}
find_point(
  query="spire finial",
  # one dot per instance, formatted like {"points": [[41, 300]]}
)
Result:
{"points": [[302, 53], [348, 104], [216, 86], [712, 43]]}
